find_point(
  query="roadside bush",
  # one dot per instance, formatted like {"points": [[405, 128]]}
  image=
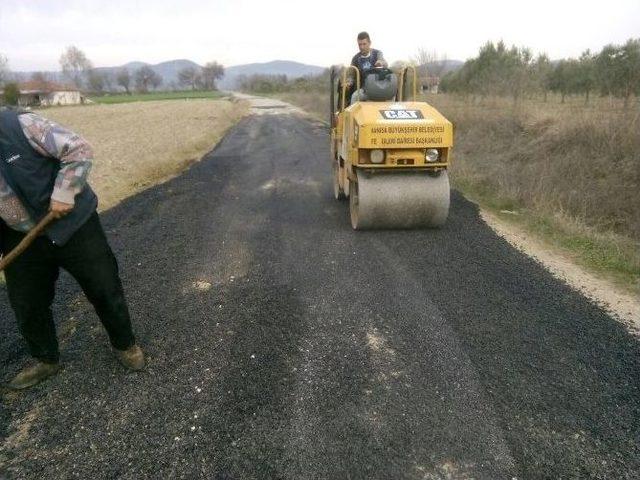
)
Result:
{"points": [[583, 162], [266, 84], [11, 94]]}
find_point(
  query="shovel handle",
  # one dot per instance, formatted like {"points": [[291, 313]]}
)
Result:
{"points": [[27, 240]]}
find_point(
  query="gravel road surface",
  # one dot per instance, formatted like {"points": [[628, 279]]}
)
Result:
{"points": [[284, 345]]}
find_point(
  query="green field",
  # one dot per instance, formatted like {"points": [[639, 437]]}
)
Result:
{"points": [[145, 97]]}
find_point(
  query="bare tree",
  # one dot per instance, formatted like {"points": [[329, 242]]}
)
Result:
{"points": [[190, 77], [123, 79], [146, 78], [96, 81], [156, 80], [429, 63], [75, 65], [398, 65], [211, 73], [108, 79]]}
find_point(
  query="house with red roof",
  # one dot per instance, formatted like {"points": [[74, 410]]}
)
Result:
{"points": [[37, 93]]}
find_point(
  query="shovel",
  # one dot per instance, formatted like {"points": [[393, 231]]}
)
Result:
{"points": [[27, 240]]}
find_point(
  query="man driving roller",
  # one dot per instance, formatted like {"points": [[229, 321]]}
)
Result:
{"points": [[365, 60]]}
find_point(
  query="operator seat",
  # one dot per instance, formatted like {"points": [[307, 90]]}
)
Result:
{"points": [[380, 85]]}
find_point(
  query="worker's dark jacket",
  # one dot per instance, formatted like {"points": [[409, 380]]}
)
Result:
{"points": [[33, 176]]}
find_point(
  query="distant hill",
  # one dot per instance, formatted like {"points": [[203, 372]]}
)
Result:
{"points": [[275, 67], [444, 66], [295, 70], [130, 65], [49, 76], [169, 70]]}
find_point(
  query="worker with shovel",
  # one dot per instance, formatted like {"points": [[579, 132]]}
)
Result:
{"points": [[43, 178]]}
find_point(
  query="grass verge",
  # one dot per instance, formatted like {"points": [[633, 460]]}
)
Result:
{"points": [[606, 254]]}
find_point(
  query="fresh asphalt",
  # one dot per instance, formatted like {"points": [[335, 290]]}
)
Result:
{"points": [[284, 345]]}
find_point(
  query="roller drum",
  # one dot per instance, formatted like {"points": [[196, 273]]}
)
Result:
{"points": [[384, 200]]}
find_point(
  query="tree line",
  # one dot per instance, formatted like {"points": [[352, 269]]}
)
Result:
{"points": [[79, 71], [515, 72], [263, 83]]}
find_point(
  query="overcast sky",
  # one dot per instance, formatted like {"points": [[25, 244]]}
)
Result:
{"points": [[33, 33]]}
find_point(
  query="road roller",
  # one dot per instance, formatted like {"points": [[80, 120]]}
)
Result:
{"points": [[390, 156]]}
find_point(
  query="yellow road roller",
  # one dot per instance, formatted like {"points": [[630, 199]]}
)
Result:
{"points": [[390, 156]]}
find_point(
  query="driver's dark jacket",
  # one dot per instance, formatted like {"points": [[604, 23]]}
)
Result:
{"points": [[365, 64]]}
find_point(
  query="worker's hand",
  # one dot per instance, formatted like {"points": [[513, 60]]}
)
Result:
{"points": [[60, 209], [380, 64]]}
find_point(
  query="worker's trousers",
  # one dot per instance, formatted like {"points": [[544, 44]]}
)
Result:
{"points": [[31, 282]]}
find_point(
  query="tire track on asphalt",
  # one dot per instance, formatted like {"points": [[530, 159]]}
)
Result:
{"points": [[382, 433]]}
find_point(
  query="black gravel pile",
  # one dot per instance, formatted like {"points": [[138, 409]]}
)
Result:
{"points": [[284, 345]]}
